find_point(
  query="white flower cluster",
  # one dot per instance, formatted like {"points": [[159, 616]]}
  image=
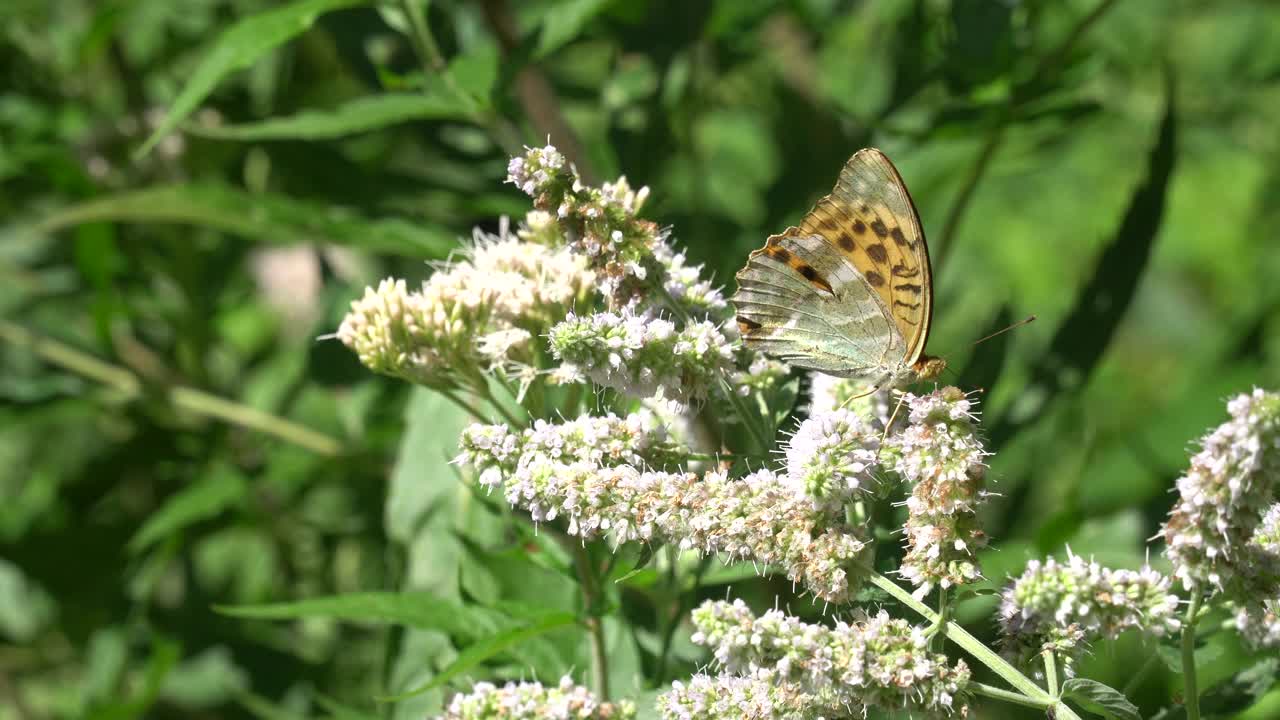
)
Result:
{"points": [[589, 471], [536, 169], [482, 311], [584, 469], [760, 518], [1259, 623], [642, 356], [941, 456], [828, 393], [684, 283], [1258, 619], [832, 457], [1232, 482], [873, 662], [762, 373], [532, 701], [1063, 607], [732, 697]]}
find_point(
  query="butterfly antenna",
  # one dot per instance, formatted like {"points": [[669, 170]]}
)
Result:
{"points": [[1025, 321]]}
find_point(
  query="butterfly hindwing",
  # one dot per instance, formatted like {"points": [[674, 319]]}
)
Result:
{"points": [[870, 219], [849, 291], [806, 305]]}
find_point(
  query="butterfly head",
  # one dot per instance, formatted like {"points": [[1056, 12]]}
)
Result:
{"points": [[929, 367]]}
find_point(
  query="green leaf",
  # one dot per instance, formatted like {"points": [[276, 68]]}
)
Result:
{"points": [[238, 47], [421, 610], [476, 71], [1100, 699], [564, 22], [355, 116], [203, 499], [1172, 656], [264, 217], [489, 647]]}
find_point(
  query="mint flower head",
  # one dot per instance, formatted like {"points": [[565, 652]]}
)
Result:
{"points": [[873, 662], [642, 356], [583, 469], [732, 697], [1231, 484], [942, 457], [533, 701], [1258, 618], [1065, 606], [482, 311], [832, 457], [760, 518]]}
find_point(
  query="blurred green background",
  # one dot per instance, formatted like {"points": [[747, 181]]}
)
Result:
{"points": [[191, 191]]}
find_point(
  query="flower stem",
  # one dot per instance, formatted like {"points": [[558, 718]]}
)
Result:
{"points": [[1190, 690], [190, 399], [939, 626], [1051, 671], [595, 628], [976, 649], [1007, 695]]}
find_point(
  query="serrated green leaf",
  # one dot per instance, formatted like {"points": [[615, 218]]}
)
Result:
{"points": [[264, 217], [490, 647], [355, 116], [203, 499], [1172, 656], [564, 22], [237, 48], [1100, 699]]}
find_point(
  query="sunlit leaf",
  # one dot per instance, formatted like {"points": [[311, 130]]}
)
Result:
{"points": [[355, 116], [490, 647], [237, 48], [1100, 699], [563, 22], [263, 217], [220, 489], [415, 609]]}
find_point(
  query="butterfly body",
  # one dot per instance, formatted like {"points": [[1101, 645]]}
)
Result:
{"points": [[849, 292]]}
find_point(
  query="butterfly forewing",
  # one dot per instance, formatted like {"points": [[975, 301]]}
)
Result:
{"points": [[849, 291]]}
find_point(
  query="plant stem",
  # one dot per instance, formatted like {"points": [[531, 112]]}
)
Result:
{"points": [[939, 627], [190, 399], [681, 607], [1051, 671], [433, 63], [595, 629], [1190, 691], [976, 649], [1007, 695], [470, 408]]}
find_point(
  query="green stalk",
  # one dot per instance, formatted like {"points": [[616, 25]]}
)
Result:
{"points": [[190, 399], [977, 650], [1051, 671], [1190, 690], [595, 628], [991, 691]]}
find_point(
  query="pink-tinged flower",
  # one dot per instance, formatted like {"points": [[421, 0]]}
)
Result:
{"points": [[1222, 499], [941, 456]]}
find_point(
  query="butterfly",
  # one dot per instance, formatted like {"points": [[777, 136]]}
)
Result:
{"points": [[850, 291]]}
